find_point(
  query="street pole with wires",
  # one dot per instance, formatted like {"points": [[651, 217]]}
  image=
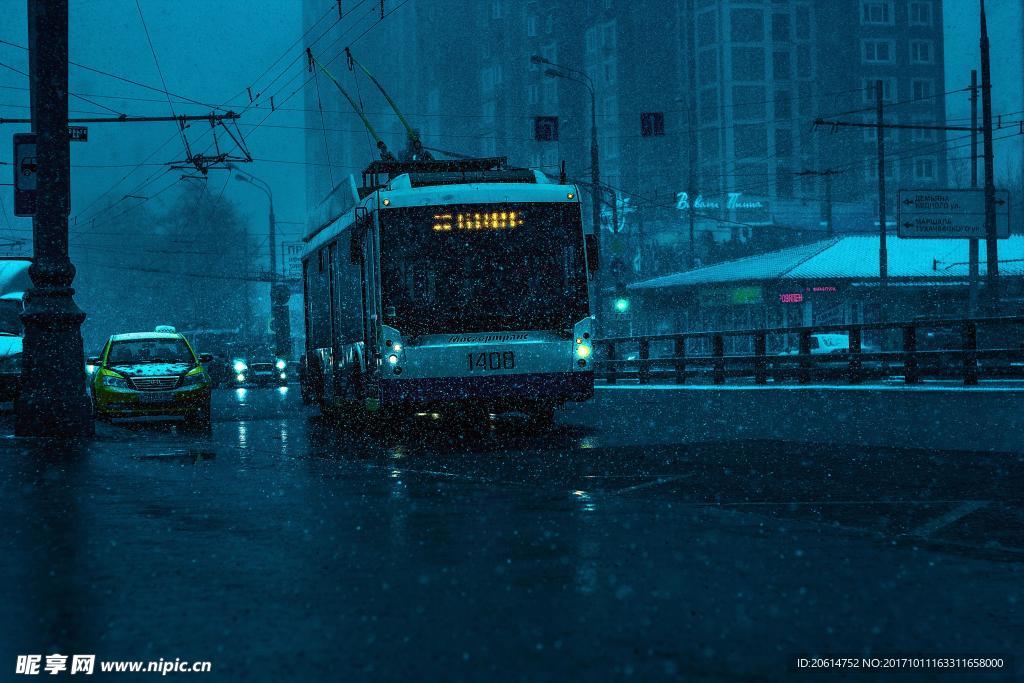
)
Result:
{"points": [[571, 74], [972, 257], [280, 325], [991, 241], [52, 401], [883, 255]]}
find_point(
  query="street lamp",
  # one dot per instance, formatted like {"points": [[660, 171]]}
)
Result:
{"points": [[571, 74], [279, 293]]}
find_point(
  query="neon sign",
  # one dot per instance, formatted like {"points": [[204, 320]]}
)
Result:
{"points": [[733, 201]]}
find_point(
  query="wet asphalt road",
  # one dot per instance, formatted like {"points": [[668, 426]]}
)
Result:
{"points": [[285, 548]]}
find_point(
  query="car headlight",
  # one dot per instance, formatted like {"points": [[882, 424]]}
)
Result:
{"points": [[194, 378], [114, 382]]}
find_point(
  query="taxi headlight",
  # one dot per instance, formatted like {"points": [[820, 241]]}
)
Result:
{"points": [[193, 379], [114, 382]]}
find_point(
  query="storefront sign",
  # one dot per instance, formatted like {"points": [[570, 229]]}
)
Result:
{"points": [[732, 201]]}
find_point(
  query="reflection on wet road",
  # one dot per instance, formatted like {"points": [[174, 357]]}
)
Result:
{"points": [[286, 547]]}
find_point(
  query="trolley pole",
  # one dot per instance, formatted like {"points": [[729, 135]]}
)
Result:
{"points": [[52, 402]]}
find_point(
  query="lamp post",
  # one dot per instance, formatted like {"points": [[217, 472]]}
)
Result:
{"points": [[52, 400], [571, 74], [279, 294]]}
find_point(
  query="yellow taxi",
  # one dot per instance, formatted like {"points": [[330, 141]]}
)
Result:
{"points": [[151, 374]]}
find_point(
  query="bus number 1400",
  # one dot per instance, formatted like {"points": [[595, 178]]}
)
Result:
{"points": [[504, 360]]}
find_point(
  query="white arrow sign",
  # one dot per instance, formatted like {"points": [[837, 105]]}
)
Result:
{"points": [[949, 213]]}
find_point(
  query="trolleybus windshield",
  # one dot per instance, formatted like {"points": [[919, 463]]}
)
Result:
{"points": [[483, 267]]}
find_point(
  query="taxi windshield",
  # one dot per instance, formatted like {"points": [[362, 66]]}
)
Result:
{"points": [[150, 351]]}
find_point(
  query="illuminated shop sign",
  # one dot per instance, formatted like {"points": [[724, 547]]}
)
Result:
{"points": [[798, 297], [731, 201]]}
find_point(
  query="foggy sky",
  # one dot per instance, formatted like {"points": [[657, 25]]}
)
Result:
{"points": [[210, 51]]}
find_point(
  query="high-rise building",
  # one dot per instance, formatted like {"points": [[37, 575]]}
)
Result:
{"points": [[731, 85]]}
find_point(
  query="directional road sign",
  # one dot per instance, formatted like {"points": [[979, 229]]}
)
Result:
{"points": [[949, 213]]}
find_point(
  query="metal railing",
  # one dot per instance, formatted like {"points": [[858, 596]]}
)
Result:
{"points": [[910, 351]]}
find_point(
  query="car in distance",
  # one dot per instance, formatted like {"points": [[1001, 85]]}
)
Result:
{"points": [[267, 373], [151, 374]]}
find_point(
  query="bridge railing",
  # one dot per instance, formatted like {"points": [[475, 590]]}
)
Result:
{"points": [[910, 351]]}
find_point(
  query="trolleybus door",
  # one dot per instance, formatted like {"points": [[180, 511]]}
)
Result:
{"points": [[370, 276]]}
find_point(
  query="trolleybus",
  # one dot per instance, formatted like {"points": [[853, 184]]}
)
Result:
{"points": [[449, 285]]}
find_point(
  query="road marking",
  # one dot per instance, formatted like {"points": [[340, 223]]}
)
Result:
{"points": [[951, 517], [654, 482]]}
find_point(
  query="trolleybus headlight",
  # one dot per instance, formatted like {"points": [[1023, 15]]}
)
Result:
{"points": [[397, 347], [393, 359], [582, 351], [240, 367], [240, 377], [284, 375], [281, 365]]}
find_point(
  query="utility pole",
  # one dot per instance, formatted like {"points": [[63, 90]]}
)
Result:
{"points": [[972, 257], [691, 123], [280, 325], [52, 402], [991, 241], [883, 254]]}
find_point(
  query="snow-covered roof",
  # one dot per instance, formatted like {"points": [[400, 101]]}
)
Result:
{"points": [[135, 336], [853, 257], [14, 275]]}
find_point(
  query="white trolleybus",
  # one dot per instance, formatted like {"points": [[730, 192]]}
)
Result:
{"points": [[458, 286]]}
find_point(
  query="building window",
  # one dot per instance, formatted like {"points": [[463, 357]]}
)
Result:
{"points": [[533, 94], [783, 105], [780, 66], [877, 51], [747, 26], [876, 12], [922, 88], [780, 28], [803, 61], [590, 40], [891, 170], [608, 36], [888, 89], [924, 168], [784, 183], [803, 22], [531, 26], [921, 13], [783, 142], [495, 9], [922, 52], [925, 135]]}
